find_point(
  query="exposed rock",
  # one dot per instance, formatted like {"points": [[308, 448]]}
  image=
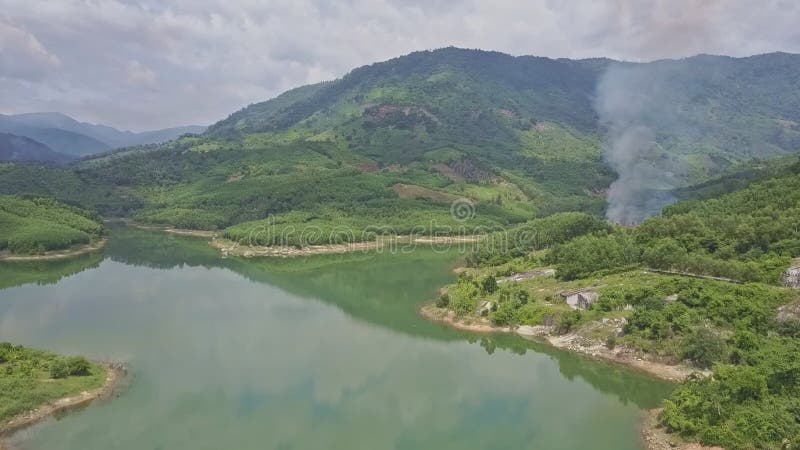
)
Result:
{"points": [[791, 278], [581, 298], [403, 117], [538, 273], [789, 313], [469, 171], [538, 330], [484, 308]]}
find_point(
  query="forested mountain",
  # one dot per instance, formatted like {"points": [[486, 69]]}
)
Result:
{"points": [[21, 149], [396, 143], [67, 135]]}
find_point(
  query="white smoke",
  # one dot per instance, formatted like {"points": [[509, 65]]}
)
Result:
{"points": [[633, 104]]}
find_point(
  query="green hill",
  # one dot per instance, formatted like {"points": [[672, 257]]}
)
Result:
{"points": [[396, 143], [40, 225], [711, 297]]}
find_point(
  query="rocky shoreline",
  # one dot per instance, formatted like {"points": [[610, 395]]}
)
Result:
{"points": [[571, 342], [115, 373], [653, 436]]}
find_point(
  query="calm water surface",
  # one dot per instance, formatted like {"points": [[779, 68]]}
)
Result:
{"points": [[310, 353]]}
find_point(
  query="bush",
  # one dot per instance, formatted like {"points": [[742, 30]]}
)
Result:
{"points": [[59, 369], [568, 321], [78, 366], [704, 347], [489, 285]]}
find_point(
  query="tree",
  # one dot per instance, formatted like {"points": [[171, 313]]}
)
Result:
{"points": [[78, 366], [704, 347], [489, 284]]}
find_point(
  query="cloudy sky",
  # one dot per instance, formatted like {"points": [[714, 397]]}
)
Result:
{"points": [[143, 64]]}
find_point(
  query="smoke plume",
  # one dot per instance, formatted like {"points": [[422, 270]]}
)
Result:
{"points": [[636, 104]]}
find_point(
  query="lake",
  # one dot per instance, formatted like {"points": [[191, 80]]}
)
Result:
{"points": [[322, 352]]}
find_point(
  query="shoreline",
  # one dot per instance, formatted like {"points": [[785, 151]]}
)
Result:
{"points": [[568, 342], [652, 435], [655, 437], [167, 229], [115, 373], [58, 254], [228, 247], [231, 248]]}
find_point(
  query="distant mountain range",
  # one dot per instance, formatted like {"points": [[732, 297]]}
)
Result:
{"points": [[63, 134], [15, 148]]}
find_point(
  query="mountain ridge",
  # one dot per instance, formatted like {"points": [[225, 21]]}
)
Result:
{"points": [[68, 135], [15, 148], [394, 142]]}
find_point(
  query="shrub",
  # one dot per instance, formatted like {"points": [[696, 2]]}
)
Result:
{"points": [[59, 369], [78, 366], [704, 347], [489, 285], [568, 321]]}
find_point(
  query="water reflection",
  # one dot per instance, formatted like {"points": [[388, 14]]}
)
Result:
{"points": [[323, 352]]}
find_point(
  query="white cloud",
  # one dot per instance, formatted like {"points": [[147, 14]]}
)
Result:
{"points": [[139, 76], [235, 52], [22, 55]]}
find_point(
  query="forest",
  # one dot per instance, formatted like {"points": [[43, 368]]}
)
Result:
{"points": [[39, 225]]}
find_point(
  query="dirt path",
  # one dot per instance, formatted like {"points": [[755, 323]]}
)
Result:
{"points": [[58, 254], [115, 374]]}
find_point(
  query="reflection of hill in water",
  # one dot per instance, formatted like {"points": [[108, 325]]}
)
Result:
{"points": [[375, 288], [18, 273]]}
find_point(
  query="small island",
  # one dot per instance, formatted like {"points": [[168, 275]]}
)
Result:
{"points": [[36, 384]]}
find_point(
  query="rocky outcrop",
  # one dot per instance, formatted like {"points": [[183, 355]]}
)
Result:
{"points": [[517, 277], [791, 278]]}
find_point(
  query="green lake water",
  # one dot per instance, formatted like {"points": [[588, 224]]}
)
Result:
{"points": [[322, 352]]}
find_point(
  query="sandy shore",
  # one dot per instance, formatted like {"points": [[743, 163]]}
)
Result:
{"points": [[176, 231], [58, 254], [399, 243], [570, 342], [115, 373], [232, 248]]}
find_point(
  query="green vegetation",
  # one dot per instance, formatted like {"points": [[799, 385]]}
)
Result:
{"points": [[392, 147], [31, 378], [746, 331], [747, 235], [517, 136], [38, 225]]}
